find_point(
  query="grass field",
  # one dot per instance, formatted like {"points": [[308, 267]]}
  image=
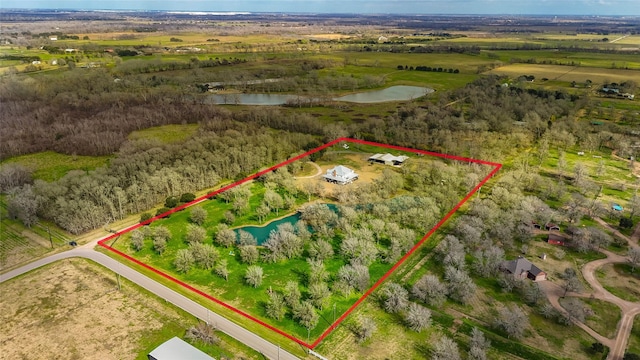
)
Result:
{"points": [[605, 318], [73, 307], [167, 134], [50, 166], [568, 73], [620, 281]]}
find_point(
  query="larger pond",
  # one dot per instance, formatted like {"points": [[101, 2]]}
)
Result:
{"points": [[393, 93], [261, 233]]}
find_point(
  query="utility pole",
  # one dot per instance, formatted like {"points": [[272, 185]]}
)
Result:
{"points": [[334, 312]]}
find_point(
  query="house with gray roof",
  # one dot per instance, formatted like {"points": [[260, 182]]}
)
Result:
{"points": [[340, 175], [522, 268], [177, 349]]}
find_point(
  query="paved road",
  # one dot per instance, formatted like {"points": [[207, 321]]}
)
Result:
{"points": [[629, 309], [252, 340]]}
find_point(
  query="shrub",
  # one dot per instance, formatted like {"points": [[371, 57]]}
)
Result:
{"points": [[145, 216], [187, 197]]}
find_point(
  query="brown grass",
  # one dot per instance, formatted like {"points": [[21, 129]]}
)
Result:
{"points": [[72, 310]]}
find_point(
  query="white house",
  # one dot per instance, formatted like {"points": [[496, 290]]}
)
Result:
{"points": [[341, 175], [388, 159]]}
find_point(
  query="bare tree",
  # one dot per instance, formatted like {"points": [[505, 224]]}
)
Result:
{"points": [[576, 309], [225, 236], [320, 250], [245, 238], [198, 215], [512, 320], [571, 284], [365, 328], [306, 315], [195, 234], [319, 294], [249, 254], [317, 271], [292, 293], [205, 255], [460, 286], [487, 263], [184, 260], [202, 332], [276, 306], [162, 232], [354, 276], [137, 240], [478, 345], [396, 298], [221, 269], [159, 245], [430, 290], [634, 257], [253, 275], [418, 317], [445, 349]]}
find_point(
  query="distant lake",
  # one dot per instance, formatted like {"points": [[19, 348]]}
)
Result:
{"points": [[393, 93]]}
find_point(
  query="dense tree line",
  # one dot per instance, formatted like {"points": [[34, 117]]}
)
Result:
{"points": [[145, 173]]}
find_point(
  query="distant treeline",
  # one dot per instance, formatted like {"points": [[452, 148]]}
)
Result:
{"points": [[23, 58], [428, 68]]}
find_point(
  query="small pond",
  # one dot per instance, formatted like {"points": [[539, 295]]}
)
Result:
{"points": [[393, 93], [261, 233]]}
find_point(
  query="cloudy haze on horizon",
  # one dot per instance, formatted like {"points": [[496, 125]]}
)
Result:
{"points": [[533, 7]]}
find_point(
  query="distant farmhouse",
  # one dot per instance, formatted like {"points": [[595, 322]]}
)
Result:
{"points": [[341, 175], [177, 349], [388, 159], [522, 268]]}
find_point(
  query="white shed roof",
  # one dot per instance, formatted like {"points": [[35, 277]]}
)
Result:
{"points": [[389, 158], [177, 349]]}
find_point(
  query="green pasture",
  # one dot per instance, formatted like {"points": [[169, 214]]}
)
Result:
{"points": [[50, 166], [166, 134], [617, 181], [626, 282], [584, 59], [605, 317]]}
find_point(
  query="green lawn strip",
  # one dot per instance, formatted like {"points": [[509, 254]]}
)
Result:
{"points": [[259, 330], [634, 337], [50, 166], [605, 319]]}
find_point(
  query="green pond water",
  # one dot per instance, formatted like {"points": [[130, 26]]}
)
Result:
{"points": [[261, 233]]}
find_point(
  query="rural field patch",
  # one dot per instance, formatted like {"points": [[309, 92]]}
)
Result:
{"points": [[568, 73], [330, 322]]}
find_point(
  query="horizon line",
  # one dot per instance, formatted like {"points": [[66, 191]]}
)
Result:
{"points": [[240, 12]]}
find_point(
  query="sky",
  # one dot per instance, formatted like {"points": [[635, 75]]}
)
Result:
{"points": [[515, 7]]}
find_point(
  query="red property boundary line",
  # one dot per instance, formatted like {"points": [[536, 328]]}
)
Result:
{"points": [[496, 168]]}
